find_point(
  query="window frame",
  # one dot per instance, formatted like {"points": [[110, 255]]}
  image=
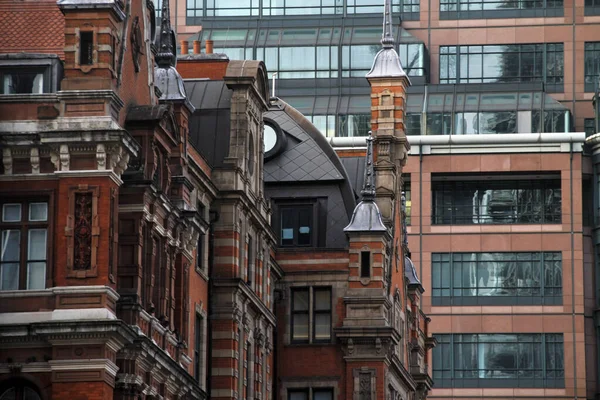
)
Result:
{"points": [[315, 234], [476, 54], [449, 293], [445, 190], [591, 53], [24, 226], [448, 374], [311, 313]]}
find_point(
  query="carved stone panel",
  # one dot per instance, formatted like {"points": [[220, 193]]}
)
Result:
{"points": [[82, 232]]}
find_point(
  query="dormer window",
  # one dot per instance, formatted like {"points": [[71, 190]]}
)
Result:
{"points": [[22, 73], [23, 81]]}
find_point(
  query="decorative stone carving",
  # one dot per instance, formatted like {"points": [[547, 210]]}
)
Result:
{"points": [[65, 157], [82, 232], [7, 160], [35, 160], [101, 156]]}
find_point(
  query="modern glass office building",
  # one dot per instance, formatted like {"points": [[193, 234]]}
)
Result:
{"points": [[500, 220], [322, 49]]}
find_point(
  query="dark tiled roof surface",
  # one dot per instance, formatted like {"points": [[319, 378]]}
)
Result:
{"points": [[31, 27], [210, 124]]}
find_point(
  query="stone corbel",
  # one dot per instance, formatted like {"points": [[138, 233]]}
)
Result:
{"points": [[65, 157], [7, 160], [118, 160], [101, 156], [35, 160]]}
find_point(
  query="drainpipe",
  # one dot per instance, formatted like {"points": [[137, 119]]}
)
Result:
{"points": [[572, 212]]}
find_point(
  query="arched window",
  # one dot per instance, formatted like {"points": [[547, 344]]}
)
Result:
{"points": [[19, 390]]}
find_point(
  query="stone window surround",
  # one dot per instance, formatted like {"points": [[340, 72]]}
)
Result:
{"points": [[203, 347]]}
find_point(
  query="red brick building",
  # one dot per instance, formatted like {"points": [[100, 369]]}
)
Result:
{"points": [[164, 238]]}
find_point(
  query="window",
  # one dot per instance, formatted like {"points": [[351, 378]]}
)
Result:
{"points": [[365, 264], [453, 9], [200, 253], [302, 298], [296, 225], [20, 390], [198, 330], [589, 127], [24, 81], [232, 8], [407, 197], [499, 360], [462, 279], [322, 314], [497, 201], [412, 58], [592, 64], [304, 394], [24, 230], [592, 7], [86, 48], [503, 63], [193, 12], [250, 261]]}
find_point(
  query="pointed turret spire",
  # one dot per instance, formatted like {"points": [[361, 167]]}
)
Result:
{"points": [[166, 39], [368, 190], [387, 38]]}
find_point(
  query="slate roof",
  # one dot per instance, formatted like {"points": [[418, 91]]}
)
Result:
{"points": [[210, 123], [32, 27], [307, 157]]}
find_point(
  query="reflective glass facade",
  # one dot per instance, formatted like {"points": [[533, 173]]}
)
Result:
{"points": [[462, 201], [592, 66], [504, 63], [463, 279], [461, 9], [196, 9], [533, 360]]}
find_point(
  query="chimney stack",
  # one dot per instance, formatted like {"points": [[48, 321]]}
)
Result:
{"points": [[209, 47], [196, 47], [185, 47]]}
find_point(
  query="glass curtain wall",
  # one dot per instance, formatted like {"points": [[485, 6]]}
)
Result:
{"points": [[532, 360], [463, 279], [196, 9], [504, 63]]}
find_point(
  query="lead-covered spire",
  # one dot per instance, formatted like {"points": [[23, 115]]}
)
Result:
{"points": [[366, 216], [165, 43], [368, 189], [387, 37]]}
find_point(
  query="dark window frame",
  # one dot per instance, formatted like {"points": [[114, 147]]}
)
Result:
{"points": [[295, 312], [86, 55], [447, 208], [592, 7], [316, 312], [43, 70], [24, 226], [544, 66], [311, 312], [592, 59], [317, 206], [304, 391], [448, 374], [457, 9], [448, 288], [365, 264]]}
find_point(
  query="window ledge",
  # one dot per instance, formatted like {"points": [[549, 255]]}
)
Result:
{"points": [[29, 98]]}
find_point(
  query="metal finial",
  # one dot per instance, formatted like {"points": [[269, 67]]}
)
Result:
{"points": [[166, 39], [368, 190], [387, 38]]}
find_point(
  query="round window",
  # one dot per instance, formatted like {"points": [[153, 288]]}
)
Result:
{"points": [[270, 138]]}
